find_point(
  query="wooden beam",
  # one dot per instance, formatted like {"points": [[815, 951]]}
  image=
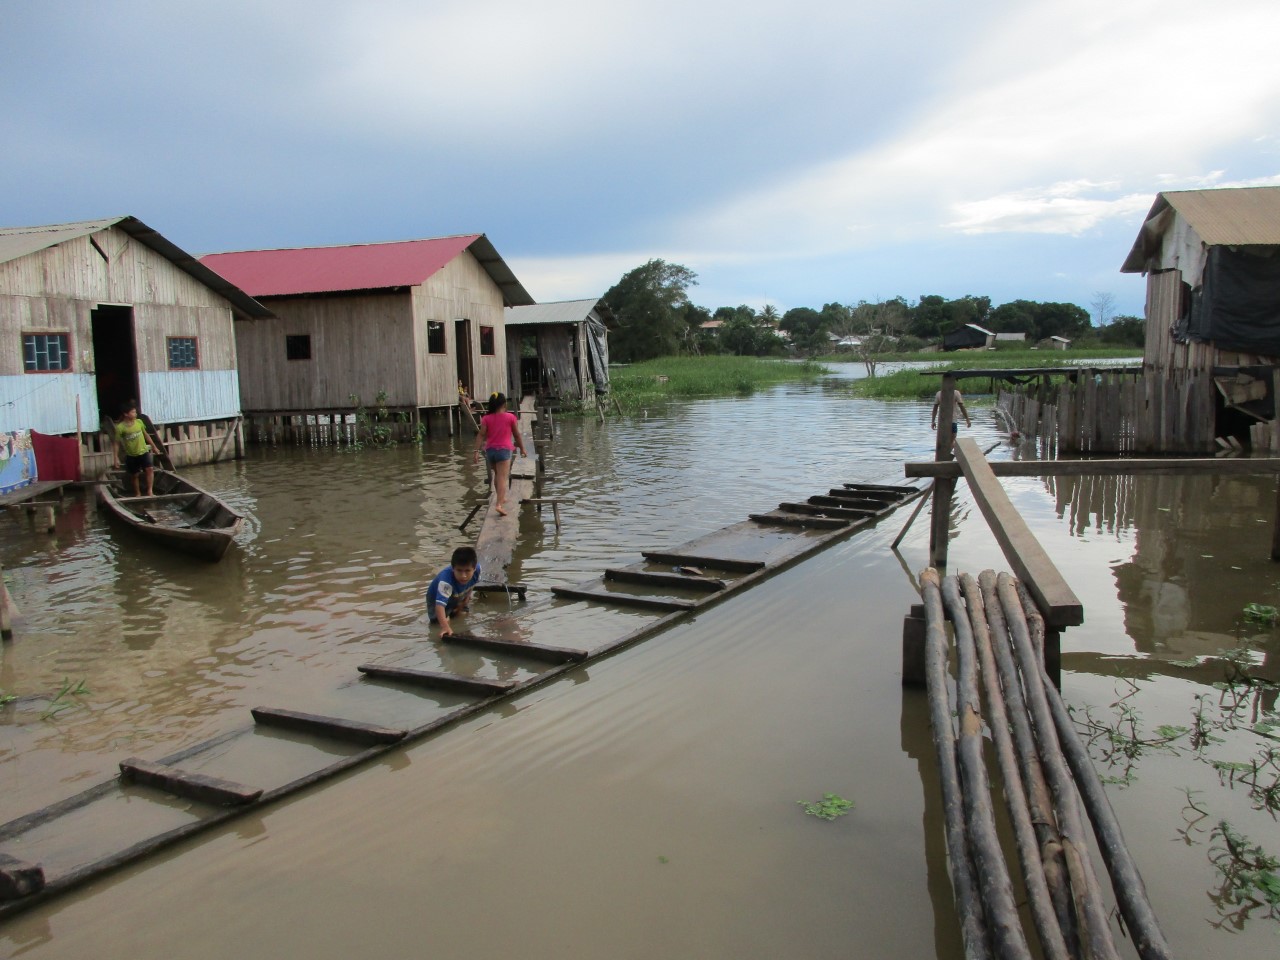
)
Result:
{"points": [[728, 564], [437, 681], [1030, 562], [681, 581], [796, 520], [623, 599], [1102, 468], [519, 648], [193, 786], [18, 878], [335, 727]]}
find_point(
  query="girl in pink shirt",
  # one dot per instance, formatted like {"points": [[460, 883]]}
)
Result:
{"points": [[500, 437]]}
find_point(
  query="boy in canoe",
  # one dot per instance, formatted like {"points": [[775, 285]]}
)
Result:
{"points": [[450, 591], [132, 436]]}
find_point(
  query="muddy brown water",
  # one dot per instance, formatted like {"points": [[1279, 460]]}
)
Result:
{"points": [[646, 804]]}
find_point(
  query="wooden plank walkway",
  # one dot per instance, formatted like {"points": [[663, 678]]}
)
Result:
{"points": [[498, 534], [45, 853]]}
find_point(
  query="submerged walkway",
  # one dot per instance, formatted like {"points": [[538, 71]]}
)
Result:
{"points": [[421, 689]]}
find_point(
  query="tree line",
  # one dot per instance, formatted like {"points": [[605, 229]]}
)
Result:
{"points": [[656, 318]]}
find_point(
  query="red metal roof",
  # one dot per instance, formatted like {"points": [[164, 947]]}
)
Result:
{"points": [[367, 266]]}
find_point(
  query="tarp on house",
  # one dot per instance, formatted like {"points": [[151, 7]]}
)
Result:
{"points": [[598, 353], [17, 461], [1238, 305]]}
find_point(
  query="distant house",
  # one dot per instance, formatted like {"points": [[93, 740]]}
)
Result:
{"points": [[559, 349], [1053, 343], [1011, 338], [408, 320], [97, 312], [1212, 260], [969, 337]]}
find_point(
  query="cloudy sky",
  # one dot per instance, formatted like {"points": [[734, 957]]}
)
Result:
{"points": [[792, 153]]}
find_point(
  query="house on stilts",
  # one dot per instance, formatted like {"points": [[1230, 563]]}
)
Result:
{"points": [[98, 312], [1210, 369], [559, 351], [398, 326]]}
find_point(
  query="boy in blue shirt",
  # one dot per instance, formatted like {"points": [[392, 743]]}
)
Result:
{"points": [[450, 591]]}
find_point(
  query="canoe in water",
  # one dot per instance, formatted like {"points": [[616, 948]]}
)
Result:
{"points": [[179, 516]]}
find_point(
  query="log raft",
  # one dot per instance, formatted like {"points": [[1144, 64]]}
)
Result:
{"points": [[1051, 791]]}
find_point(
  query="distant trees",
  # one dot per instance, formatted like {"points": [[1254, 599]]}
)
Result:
{"points": [[656, 318]]}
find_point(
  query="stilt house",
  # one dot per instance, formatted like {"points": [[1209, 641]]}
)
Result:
{"points": [[559, 350], [98, 312], [1212, 261], [406, 322]]}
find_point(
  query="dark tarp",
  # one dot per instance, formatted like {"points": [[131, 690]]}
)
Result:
{"points": [[1238, 305]]}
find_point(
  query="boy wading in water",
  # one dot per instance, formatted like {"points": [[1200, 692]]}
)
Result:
{"points": [[450, 591], [132, 436]]}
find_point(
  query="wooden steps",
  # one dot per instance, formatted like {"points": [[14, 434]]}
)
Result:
{"points": [[335, 727], [681, 581], [193, 786], [727, 564], [437, 681], [519, 648], [623, 599]]}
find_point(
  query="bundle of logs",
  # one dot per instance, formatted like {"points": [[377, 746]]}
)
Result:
{"points": [[1052, 791]]}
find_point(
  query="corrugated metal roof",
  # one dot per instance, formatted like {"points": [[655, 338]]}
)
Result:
{"points": [[365, 266], [18, 242], [564, 311], [1229, 216]]}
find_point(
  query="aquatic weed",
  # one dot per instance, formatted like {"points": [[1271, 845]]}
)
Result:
{"points": [[828, 808]]}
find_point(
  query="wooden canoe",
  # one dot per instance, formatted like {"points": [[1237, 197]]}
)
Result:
{"points": [[180, 515]]}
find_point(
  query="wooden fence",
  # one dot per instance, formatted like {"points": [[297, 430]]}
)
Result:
{"points": [[1104, 411]]}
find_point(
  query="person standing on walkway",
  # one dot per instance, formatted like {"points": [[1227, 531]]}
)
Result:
{"points": [[499, 437], [132, 437], [959, 405]]}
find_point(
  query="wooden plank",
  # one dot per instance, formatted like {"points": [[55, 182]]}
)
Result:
{"points": [[533, 651], [796, 520], [857, 496], [159, 498], [437, 681], [519, 589], [897, 491], [1101, 467], [867, 508], [183, 783], [818, 510], [18, 878], [623, 599], [682, 581], [1030, 562], [339, 729], [728, 564]]}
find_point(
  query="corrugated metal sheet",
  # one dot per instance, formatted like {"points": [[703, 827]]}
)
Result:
{"points": [[1232, 216], [47, 402], [186, 396], [367, 266], [18, 242], [566, 311]]}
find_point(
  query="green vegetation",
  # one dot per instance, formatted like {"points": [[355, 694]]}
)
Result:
{"points": [[668, 378], [910, 385], [62, 700], [1261, 613], [828, 808]]}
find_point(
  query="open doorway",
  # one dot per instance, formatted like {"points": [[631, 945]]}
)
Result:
{"points": [[115, 358], [462, 344]]}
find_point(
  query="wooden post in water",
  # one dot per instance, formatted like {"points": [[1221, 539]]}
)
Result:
{"points": [[944, 488]]}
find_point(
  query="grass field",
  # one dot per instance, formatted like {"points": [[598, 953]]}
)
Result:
{"points": [[909, 385], [670, 378]]}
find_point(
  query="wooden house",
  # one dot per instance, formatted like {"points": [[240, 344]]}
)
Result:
{"points": [[559, 350], [1212, 262], [968, 337], [400, 325], [98, 312]]}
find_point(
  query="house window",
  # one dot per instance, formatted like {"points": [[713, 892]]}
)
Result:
{"points": [[46, 351], [183, 354], [297, 346], [435, 337], [487, 348]]}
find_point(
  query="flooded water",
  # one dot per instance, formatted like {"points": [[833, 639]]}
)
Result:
{"points": [[646, 804]]}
